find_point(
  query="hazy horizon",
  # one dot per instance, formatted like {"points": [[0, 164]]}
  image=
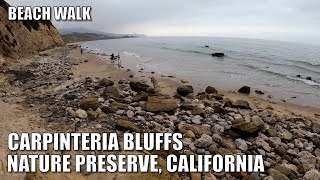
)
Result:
{"points": [[280, 20]]}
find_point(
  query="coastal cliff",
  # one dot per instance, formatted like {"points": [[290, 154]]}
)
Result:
{"points": [[19, 38]]}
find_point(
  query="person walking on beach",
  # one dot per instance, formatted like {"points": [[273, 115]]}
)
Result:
{"points": [[81, 50], [112, 58], [119, 61]]}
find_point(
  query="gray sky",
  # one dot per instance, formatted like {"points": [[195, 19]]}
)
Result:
{"points": [[290, 20]]}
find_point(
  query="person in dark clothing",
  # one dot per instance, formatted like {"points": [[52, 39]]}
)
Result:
{"points": [[81, 50], [112, 58], [119, 60]]}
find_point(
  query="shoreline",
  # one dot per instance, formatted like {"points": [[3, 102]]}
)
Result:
{"points": [[61, 90], [291, 91], [170, 84]]}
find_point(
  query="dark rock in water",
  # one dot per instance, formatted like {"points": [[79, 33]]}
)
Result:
{"points": [[161, 104], [106, 82], [90, 102], [139, 86], [218, 54], [259, 92], [184, 90], [211, 90], [111, 92], [298, 76], [309, 78], [241, 104], [244, 90], [206, 46]]}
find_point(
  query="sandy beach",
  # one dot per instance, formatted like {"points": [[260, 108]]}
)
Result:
{"points": [[62, 90]]}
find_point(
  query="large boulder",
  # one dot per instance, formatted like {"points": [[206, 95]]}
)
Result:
{"points": [[244, 90], [116, 105], [106, 82], [316, 127], [242, 104], [197, 129], [90, 102], [312, 174], [211, 90], [184, 90], [204, 141], [140, 86], [161, 104], [218, 109], [140, 97], [276, 175], [248, 127], [111, 92]]}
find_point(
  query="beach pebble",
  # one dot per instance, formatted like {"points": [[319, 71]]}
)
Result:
{"points": [[82, 114], [130, 114], [312, 175], [204, 141], [241, 144]]}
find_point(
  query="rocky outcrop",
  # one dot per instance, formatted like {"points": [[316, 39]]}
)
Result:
{"points": [[140, 86], [18, 38]]}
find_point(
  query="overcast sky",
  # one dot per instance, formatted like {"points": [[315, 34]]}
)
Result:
{"points": [[291, 20]]}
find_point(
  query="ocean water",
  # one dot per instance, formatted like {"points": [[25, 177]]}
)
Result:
{"points": [[270, 66]]}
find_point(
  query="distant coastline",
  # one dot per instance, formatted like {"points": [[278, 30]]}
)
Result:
{"points": [[81, 37]]}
